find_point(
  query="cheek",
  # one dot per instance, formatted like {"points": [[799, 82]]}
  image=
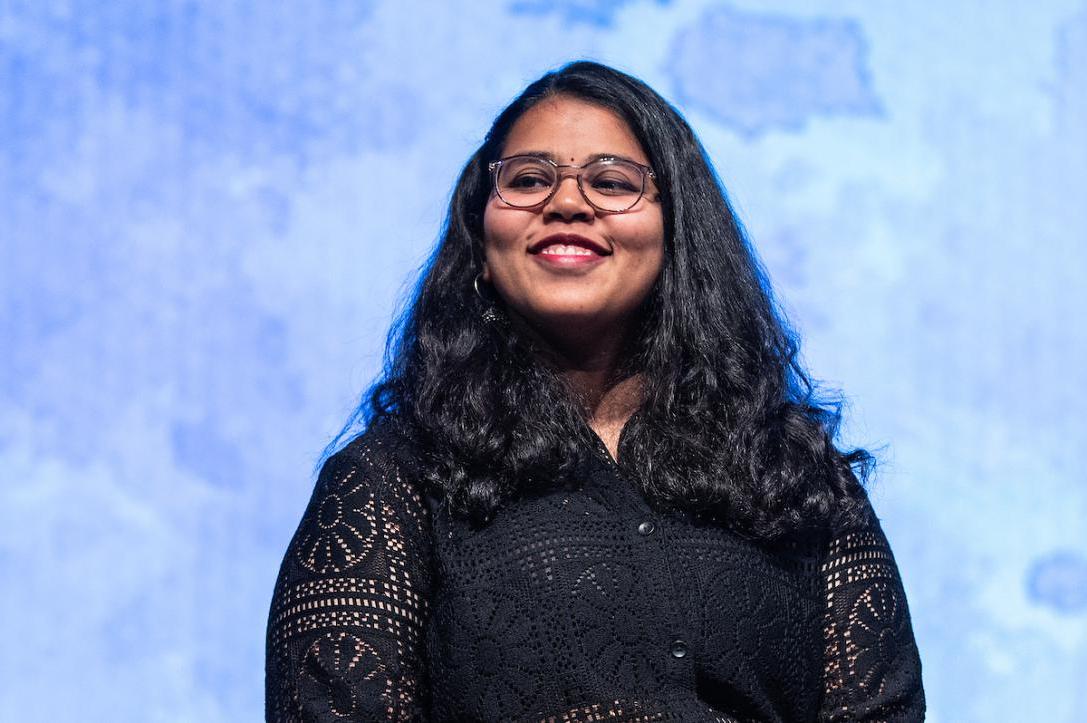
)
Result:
{"points": [[504, 231], [647, 251], [644, 237], [501, 227]]}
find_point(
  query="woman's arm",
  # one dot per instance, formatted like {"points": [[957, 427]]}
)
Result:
{"points": [[345, 630], [873, 669]]}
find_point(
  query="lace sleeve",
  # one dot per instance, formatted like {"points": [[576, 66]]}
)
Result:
{"points": [[344, 636], [873, 669]]}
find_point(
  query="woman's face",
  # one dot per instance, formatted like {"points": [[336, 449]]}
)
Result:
{"points": [[570, 286]]}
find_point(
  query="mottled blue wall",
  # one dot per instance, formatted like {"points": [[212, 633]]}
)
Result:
{"points": [[209, 210]]}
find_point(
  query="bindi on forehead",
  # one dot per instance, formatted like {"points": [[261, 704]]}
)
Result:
{"points": [[566, 126], [556, 158]]}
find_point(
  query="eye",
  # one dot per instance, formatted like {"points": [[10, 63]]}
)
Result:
{"points": [[529, 180], [614, 183]]}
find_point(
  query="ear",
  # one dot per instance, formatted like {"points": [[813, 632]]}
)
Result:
{"points": [[486, 272]]}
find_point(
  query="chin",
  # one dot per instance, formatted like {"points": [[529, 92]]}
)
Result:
{"points": [[569, 318], [571, 309]]}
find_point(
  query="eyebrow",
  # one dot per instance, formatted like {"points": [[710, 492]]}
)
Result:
{"points": [[594, 157]]}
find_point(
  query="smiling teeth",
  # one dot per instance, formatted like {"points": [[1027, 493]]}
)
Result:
{"points": [[563, 250]]}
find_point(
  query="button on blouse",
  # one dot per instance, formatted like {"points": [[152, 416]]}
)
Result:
{"points": [[388, 608]]}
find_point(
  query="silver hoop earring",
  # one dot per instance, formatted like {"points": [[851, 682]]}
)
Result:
{"points": [[475, 285], [489, 314]]}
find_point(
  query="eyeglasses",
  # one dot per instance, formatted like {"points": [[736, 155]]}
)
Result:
{"points": [[613, 185]]}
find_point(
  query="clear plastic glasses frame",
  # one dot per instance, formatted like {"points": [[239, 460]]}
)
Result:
{"points": [[495, 167]]}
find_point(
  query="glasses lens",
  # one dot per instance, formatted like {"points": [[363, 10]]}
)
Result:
{"points": [[612, 185], [525, 181]]}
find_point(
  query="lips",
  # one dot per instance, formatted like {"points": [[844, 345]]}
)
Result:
{"points": [[569, 239]]}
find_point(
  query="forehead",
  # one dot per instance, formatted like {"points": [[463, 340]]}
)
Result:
{"points": [[570, 130]]}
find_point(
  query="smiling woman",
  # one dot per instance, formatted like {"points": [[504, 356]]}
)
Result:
{"points": [[575, 273], [594, 482]]}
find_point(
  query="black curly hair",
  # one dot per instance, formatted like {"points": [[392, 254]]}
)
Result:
{"points": [[731, 424]]}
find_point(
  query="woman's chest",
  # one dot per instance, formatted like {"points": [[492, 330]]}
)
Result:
{"points": [[577, 595]]}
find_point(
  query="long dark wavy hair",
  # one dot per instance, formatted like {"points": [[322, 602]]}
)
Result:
{"points": [[730, 424]]}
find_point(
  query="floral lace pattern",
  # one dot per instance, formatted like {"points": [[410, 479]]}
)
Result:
{"points": [[347, 614], [341, 671], [340, 532], [873, 669], [574, 605]]}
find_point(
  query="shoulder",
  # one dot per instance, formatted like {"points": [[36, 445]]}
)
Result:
{"points": [[375, 467], [859, 550], [374, 457], [373, 445], [859, 515], [361, 501]]}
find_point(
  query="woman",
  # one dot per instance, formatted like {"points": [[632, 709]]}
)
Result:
{"points": [[594, 483]]}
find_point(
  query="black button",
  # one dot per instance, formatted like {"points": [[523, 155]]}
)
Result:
{"points": [[646, 528], [679, 649]]}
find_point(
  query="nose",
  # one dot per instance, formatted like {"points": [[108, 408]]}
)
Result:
{"points": [[568, 203]]}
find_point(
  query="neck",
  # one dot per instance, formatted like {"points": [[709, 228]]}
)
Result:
{"points": [[591, 364]]}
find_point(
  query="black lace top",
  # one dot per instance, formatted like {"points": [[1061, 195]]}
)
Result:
{"points": [[571, 606]]}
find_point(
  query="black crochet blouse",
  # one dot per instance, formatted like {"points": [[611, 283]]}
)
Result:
{"points": [[575, 605]]}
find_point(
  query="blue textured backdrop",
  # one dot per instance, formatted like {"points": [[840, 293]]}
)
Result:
{"points": [[209, 211]]}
